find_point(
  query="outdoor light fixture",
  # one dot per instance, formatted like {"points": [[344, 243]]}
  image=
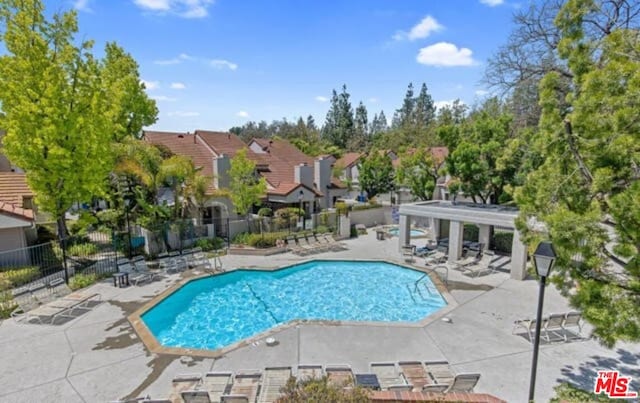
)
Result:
{"points": [[543, 259]]}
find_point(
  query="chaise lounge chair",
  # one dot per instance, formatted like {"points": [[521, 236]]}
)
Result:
{"points": [[528, 325], [388, 375], [482, 266], [183, 383], [245, 385], [216, 384], [309, 372], [463, 383], [415, 373], [552, 325], [339, 375], [273, 380], [440, 372], [572, 320], [195, 396]]}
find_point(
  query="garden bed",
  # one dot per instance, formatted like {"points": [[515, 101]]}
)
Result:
{"points": [[249, 251]]}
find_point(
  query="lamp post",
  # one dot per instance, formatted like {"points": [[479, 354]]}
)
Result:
{"points": [[127, 202], [543, 260], [300, 197]]}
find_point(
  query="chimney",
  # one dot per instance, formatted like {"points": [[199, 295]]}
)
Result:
{"points": [[221, 166], [322, 178], [303, 174]]}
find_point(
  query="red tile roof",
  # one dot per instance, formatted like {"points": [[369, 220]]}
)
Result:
{"points": [[13, 188], [348, 160], [187, 145], [11, 209], [221, 142]]}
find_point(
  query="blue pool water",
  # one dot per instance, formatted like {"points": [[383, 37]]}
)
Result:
{"points": [[217, 311], [414, 232]]}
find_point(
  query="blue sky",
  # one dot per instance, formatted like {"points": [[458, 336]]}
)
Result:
{"points": [[213, 64]]}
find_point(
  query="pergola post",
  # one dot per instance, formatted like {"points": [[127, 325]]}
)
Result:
{"points": [[456, 233], [404, 231], [434, 234], [484, 235], [518, 258]]}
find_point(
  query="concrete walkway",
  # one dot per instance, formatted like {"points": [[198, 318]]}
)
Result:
{"points": [[99, 358]]}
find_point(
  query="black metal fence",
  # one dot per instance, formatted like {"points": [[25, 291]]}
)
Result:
{"points": [[94, 253]]}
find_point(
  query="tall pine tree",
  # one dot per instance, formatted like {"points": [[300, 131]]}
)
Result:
{"points": [[425, 110], [360, 137], [339, 126], [404, 115]]}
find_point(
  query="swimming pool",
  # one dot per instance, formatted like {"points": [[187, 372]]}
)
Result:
{"points": [[414, 232], [218, 311]]}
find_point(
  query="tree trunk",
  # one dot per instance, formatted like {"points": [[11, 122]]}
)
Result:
{"points": [[62, 227]]}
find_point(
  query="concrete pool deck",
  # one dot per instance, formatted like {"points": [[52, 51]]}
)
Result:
{"points": [[98, 357]]}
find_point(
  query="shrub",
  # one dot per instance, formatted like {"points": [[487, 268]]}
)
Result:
{"points": [[82, 249], [342, 208], [15, 277], [7, 305], [502, 241], [265, 212], [264, 240], [321, 229], [85, 221], [354, 232], [567, 393], [320, 390], [367, 206], [241, 238], [82, 280], [208, 244], [470, 233]]}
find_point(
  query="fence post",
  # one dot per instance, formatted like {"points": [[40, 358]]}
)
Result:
{"points": [[228, 233], [64, 260]]}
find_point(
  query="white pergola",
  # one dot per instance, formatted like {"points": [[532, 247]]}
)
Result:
{"points": [[482, 215]]}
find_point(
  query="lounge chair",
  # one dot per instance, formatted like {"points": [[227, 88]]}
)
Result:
{"points": [[572, 320], [436, 257], [294, 247], [273, 380], [305, 245], [484, 265], [62, 307], [388, 375], [316, 244], [216, 384], [463, 383], [528, 325], [435, 388], [415, 373], [141, 273], [155, 401], [244, 384], [552, 324], [334, 244], [339, 375], [469, 258], [195, 396], [440, 372], [182, 383], [309, 372]]}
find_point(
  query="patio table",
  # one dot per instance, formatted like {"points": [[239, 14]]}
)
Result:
{"points": [[121, 280]]}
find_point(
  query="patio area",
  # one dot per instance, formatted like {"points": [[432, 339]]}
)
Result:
{"points": [[98, 357]]}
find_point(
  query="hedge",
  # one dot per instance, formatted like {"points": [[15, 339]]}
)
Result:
{"points": [[18, 276], [470, 233], [502, 241], [82, 249], [367, 206], [264, 240]]}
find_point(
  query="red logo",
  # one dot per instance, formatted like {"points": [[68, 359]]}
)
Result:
{"points": [[614, 385]]}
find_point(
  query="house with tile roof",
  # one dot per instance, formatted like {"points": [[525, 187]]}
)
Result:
{"points": [[17, 213], [293, 178]]}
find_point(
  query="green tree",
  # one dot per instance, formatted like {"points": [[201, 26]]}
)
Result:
{"points": [[246, 189], [59, 114], [187, 184], [419, 172], [360, 137], [339, 125], [404, 116], [376, 174], [586, 190], [379, 125], [425, 111], [476, 147]]}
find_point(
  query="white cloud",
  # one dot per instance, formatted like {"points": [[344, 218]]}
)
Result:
{"points": [[181, 8], [320, 98], [444, 104], [243, 114], [373, 100], [150, 85], [492, 3], [82, 5], [178, 86], [182, 57], [445, 54], [223, 64], [482, 93], [183, 114], [421, 30], [163, 98]]}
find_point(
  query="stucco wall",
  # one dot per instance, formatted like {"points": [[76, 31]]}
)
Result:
{"points": [[371, 217], [10, 240]]}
